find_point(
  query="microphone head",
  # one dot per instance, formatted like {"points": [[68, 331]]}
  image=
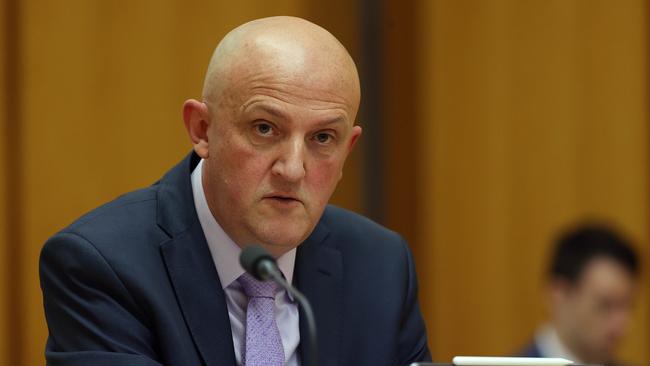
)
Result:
{"points": [[250, 258]]}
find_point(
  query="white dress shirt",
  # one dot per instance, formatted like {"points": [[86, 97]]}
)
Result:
{"points": [[225, 254]]}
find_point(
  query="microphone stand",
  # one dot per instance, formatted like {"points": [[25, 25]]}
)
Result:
{"points": [[256, 261], [309, 315]]}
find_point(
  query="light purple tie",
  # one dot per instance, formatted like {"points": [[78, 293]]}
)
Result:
{"points": [[263, 345]]}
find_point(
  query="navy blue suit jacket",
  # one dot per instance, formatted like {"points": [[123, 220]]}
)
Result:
{"points": [[133, 283], [531, 350]]}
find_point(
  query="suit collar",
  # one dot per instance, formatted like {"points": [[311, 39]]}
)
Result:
{"points": [[176, 212], [200, 296]]}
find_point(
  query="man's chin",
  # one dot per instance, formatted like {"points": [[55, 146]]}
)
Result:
{"points": [[281, 233], [287, 240], [280, 243]]}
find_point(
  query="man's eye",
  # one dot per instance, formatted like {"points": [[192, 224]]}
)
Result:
{"points": [[323, 138], [264, 128]]}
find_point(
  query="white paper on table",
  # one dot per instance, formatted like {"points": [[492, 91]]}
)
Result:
{"points": [[509, 361]]}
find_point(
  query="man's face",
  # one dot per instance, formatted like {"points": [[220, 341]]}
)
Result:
{"points": [[597, 309], [277, 144]]}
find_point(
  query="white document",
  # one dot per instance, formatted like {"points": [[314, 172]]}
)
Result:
{"points": [[509, 361]]}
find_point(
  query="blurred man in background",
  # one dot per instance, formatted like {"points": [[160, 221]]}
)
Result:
{"points": [[591, 286]]}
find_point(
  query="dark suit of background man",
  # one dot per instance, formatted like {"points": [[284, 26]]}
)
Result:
{"points": [[592, 281], [152, 278]]}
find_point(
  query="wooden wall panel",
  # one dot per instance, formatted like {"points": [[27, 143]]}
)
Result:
{"points": [[532, 114], [399, 107], [5, 273]]}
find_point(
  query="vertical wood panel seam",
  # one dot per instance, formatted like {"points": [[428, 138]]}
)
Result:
{"points": [[644, 262]]}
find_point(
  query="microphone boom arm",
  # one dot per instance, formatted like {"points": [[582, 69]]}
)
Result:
{"points": [[309, 314], [256, 261]]}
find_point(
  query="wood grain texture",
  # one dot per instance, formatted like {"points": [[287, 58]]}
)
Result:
{"points": [[532, 115]]}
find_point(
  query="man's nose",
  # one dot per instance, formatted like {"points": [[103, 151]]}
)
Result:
{"points": [[290, 163]]}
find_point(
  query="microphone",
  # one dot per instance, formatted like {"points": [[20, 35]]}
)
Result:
{"points": [[261, 265]]}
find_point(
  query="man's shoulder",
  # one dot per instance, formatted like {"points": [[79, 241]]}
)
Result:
{"points": [[354, 223], [120, 225], [123, 209], [359, 232]]}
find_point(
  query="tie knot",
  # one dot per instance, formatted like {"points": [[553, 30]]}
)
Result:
{"points": [[255, 288]]}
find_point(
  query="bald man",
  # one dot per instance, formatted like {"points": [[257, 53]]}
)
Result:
{"points": [[153, 278]]}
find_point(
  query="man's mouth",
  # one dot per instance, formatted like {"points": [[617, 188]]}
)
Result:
{"points": [[283, 198]]}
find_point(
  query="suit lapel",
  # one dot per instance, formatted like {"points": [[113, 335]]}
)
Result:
{"points": [[200, 296], [319, 277], [191, 269]]}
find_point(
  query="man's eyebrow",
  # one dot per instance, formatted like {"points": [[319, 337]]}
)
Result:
{"points": [[268, 108], [277, 112], [333, 120]]}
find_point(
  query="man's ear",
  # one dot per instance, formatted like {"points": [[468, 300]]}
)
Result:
{"points": [[356, 133], [559, 290], [197, 120]]}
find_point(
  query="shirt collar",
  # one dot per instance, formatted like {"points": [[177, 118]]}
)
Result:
{"points": [[550, 344], [224, 251]]}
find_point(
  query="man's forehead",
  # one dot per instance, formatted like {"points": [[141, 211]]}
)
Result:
{"points": [[604, 272], [289, 65], [282, 90]]}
